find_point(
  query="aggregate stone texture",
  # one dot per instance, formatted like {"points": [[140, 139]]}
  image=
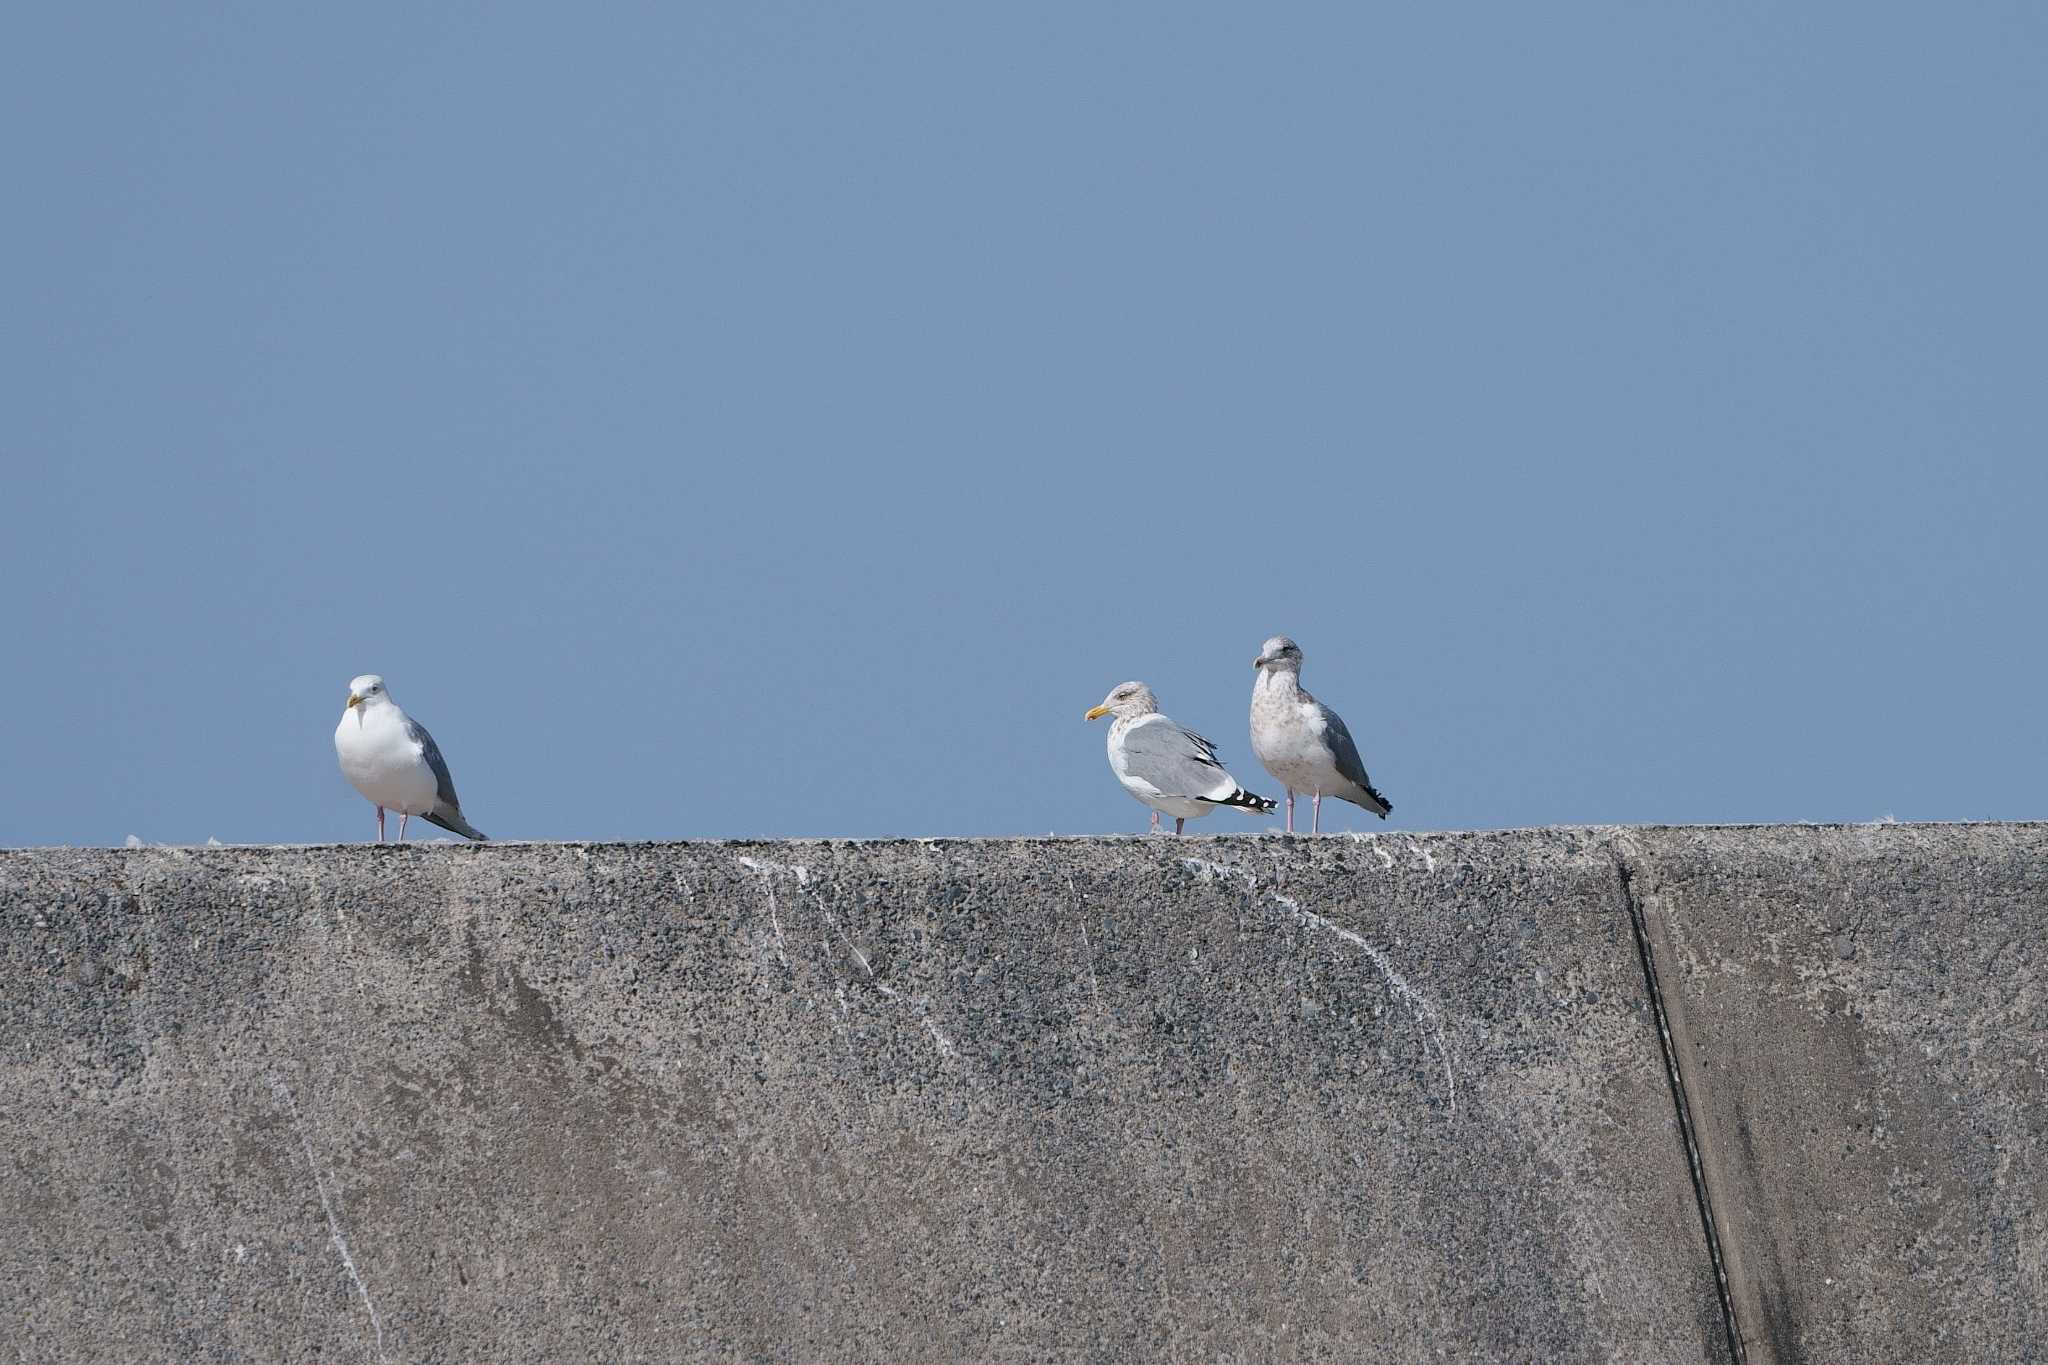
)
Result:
{"points": [[1221, 1099], [1861, 1015]]}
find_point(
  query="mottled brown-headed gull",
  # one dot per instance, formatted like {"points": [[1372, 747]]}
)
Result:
{"points": [[394, 762], [1302, 742], [1168, 768]]}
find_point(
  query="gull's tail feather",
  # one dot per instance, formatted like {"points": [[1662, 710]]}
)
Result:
{"points": [[451, 820], [1374, 802], [1245, 800]]}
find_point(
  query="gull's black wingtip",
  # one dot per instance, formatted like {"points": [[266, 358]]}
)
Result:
{"points": [[454, 823], [1250, 801]]}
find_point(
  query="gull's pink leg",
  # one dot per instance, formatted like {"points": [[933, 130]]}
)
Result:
{"points": [[402, 818], [1155, 822], [1178, 821], [1316, 827], [380, 824], [1290, 810]]}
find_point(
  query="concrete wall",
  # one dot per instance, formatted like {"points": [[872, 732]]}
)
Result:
{"points": [[1247, 1098]]}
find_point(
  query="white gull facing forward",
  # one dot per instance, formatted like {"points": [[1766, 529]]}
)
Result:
{"points": [[1302, 742], [392, 760], [1168, 768]]}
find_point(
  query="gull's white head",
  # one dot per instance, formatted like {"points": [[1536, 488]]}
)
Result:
{"points": [[1124, 701], [1279, 654], [366, 690]]}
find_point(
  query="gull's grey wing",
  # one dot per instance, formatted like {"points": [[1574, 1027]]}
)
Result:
{"points": [[1349, 765], [444, 785], [1175, 761], [1208, 746], [447, 811]]}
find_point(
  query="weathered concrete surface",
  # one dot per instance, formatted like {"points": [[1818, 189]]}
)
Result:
{"points": [[1233, 1098], [1859, 1018]]}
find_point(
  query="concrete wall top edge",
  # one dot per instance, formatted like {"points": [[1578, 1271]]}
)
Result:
{"points": [[1206, 840]]}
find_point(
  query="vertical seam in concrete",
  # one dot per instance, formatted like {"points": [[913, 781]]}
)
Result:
{"points": [[1702, 1197]]}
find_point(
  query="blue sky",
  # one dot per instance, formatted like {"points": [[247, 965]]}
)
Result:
{"points": [[787, 420]]}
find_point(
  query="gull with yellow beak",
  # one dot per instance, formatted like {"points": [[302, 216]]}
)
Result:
{"points": [[392, 760], [1168, 768]]}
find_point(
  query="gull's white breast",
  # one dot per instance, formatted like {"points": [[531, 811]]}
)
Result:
{"points": [[382, 761], [1288, 738]]}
